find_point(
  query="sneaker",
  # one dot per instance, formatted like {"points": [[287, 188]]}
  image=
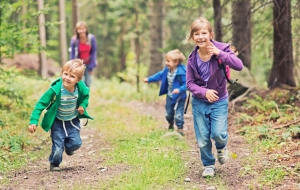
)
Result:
{"points": [[54, 167], [223, 155], [171, 126], [180, 131], [209, 171], [69, 153]]}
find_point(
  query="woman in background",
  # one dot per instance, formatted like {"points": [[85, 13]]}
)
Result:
{"points": [[84, 46]]}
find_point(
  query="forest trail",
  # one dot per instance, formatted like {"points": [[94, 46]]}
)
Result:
{"points": [[85, 167], [229, 173]]}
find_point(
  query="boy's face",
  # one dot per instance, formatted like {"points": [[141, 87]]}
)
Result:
{"points": [[202, 37], [70, 78], [172, 65]]}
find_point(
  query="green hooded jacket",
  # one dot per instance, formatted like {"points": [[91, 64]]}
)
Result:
{"points": [[50, 101]]}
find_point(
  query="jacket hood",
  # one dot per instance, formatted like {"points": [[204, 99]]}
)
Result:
{"points": [[219, 45], [181, 70]]}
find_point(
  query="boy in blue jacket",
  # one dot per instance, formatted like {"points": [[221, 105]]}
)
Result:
{"points": [[173, 83]]}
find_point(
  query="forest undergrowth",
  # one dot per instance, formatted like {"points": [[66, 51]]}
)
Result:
{"points": [[128, 147]]}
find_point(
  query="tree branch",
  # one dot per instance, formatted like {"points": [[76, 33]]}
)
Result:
{"points": [[240, 98], [286, 124]]}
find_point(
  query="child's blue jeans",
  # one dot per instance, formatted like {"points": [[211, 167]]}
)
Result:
{"points": [[178, 114], [64, 137], [210, 122]]}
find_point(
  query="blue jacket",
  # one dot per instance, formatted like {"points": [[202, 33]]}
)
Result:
{"points": [[179, 82]]}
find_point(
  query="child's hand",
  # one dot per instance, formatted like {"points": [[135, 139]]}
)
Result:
{"points": [[32, 128], [175, 91], [211, 95], [80, 110], [212, 49], [145, 80]]}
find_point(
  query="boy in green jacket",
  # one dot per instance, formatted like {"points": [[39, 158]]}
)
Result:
{"points": [[66, 102]]}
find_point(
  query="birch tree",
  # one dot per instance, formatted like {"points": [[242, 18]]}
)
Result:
{"points": [[42, 32], [62, 33]]}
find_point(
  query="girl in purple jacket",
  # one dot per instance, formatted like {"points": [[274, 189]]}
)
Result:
{"points": [[210, 96]]}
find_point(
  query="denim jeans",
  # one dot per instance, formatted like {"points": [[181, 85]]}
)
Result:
{"points": [[87, 78], [210, 122], [60, 140], [178, 114]]}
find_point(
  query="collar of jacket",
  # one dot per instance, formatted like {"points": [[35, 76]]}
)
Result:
{"points": [[181, 70], [56, 86], [221, 46]]}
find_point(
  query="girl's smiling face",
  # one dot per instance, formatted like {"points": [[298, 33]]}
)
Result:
{"points": [[202, 37], [70, 78], [81, 30]]}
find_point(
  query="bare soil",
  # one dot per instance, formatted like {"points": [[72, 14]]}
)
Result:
{"points": [[31, 62], [85, 166]]}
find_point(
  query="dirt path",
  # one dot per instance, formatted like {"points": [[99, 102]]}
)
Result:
{"points": [[85, 167], [229, 172]]}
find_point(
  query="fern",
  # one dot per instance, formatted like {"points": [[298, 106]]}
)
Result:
{"points": [[15, 144]]}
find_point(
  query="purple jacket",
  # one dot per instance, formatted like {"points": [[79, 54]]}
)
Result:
{"points": [[197, 86], [93, 54]]}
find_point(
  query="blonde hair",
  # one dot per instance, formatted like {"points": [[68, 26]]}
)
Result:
{"points": [[76, 65], [176, 55], [198, 24], [78, 25], [234, 50]]}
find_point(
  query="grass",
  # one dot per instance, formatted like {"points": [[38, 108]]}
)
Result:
{"points": [[272, 176], [15, 111], [269, 173], [135, 137]]}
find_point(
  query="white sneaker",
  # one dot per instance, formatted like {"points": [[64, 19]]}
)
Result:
{"points": [[209, 171], [223, 155]]}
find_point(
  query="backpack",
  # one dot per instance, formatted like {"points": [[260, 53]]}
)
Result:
{"points": [[180, 82], [225, 72], [76, 44]]}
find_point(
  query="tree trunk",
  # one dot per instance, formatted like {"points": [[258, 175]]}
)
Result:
{"points": [[156, 36], [137, 47], [122, 53], [75, 14], [24, 12], [218, 20], [42, 32], [241, 24], [283, 65], [62, 33]]}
